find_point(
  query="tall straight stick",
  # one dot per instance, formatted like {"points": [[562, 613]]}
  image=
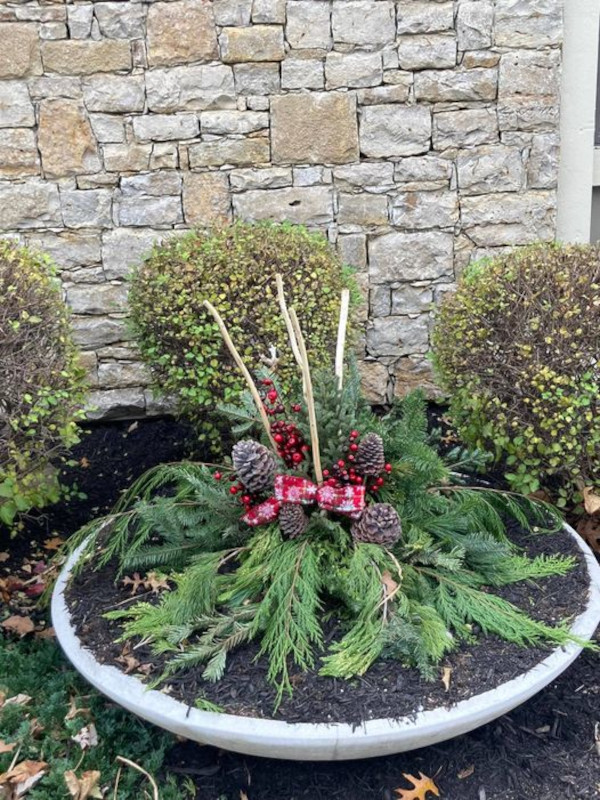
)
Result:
{"points": [[341, 338], [287, 319], [310, 400], [243, 369]]}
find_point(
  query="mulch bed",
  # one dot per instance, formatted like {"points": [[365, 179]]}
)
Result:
{"points": [[545, 750]]}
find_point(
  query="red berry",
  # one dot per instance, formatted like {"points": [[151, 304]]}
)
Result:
{"points": [[379, 482], [292, 441], [232, 477], [341, 463], [246, 499], [278, 438], [354, 434], [217, 476], [351, 457], [233, 490], [388, 467], [272, 395], [325, 473], [297, 458], [354, 447], [267, 382], [332, 482], [296, 407], [305, 448], [374, 488], [359, 480]]}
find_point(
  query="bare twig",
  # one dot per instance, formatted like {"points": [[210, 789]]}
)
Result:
{"points": [[309, 397], [341, 337], [287, 319], [243, 369], [146, 774]]}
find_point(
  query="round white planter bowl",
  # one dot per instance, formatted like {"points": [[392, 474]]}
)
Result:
{"points": [[320, 742]]}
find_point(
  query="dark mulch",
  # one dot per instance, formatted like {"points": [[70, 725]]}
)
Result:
{"points": [[544, 750]]}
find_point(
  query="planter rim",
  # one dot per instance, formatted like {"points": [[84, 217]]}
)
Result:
{"points": [[320, 741]]}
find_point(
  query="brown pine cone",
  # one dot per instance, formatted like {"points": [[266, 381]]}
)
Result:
{"points": [[292, 520], [254, 464], [370, 458], [379, 524]]}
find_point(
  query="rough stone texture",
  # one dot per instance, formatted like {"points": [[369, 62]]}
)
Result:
{"points": [[416, 134]]}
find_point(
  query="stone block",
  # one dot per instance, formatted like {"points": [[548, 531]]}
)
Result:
{"points": [[364, 23], [352, 249], [427, 51], [528, 114], [118, 20], [233, 122], [65, 139], [165, 155], [206, 198], [387, 130], [237, 152], [353, 70], [152, 199], [19, 50], [87, 209], [126, 157], [401, 257], [311, 205], [85, 57], [416, 16], [519, 219], [475, 24], [465, 128], [80, 18], [424, 173], [491, 168], [107, 298], [107, 127], [419, 210], [196, 88], [114, 94], [256, 79], [368, 175], [116, 404], [362, 209], [398, 336], [92, 332], [155, 184], [232, 12], [378, 95], [266, 178], [375, 381], [312, 176], [256, 43], [302, 73], [380, 301], [268, 11], [411, 300], [528, 23], [16, 108], [529, 73], [69, 250], [308, 25], [165, 127], [119, 374], [464, 85], [542, 164], [18, 153], [54, 86], [181, 32], [412, 373], [124, 248], [314, 129]]}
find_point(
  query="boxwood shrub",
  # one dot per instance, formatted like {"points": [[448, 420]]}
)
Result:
{"points": [[42, 385], [234, 267], [518, 346]]}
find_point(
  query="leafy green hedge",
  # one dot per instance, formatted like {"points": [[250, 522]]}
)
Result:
{"points": [[517, 347], [42, 385]]}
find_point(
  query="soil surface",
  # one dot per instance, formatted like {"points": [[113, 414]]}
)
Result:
{"points": [[548, 749], [387, 690]]}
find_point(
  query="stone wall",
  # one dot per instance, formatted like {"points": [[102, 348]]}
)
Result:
{"points": [[416, 134]]}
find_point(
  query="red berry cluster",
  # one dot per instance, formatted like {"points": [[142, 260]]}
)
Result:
{"points": [[236, 487], [290, 445], [343, 473]]}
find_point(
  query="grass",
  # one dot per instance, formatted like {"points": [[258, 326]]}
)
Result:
{"points": [[37, 668]]}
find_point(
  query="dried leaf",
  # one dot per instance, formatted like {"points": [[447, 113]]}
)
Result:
{"points": [[18, 700], [136, 582], [421, 786], [87, 737], [155, 583], [591, 500], [84, 462], [18, 624], [84, 787], [7, 747], [389, 583], [589, 529], [46, 633], [466, 773], [131, 663], [55, 543], [447, 677], [22, 778], [4, 556], [74, 711]]}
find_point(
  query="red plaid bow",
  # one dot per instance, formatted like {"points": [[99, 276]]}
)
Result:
{"points": [[347, 500]]}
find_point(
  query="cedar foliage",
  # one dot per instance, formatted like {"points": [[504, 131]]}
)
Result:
{"points": [[412, 602]]}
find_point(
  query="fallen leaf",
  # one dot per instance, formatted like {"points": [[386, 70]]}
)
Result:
{"points": [[18, 624], [84, 787], [84, 462], [447, 677], [35, 728], [46, 633], [4, 557], [589, 529], [132, 427], [22, 778], [155, 583], [421, 786], [136, 582], [55, 543], [466, 773], [591, 500], [74, 711], [7, 747], [18, 700], [87, 737], [130, 662], [389, 583]]}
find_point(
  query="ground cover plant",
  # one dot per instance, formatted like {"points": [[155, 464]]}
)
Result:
{"points": [[233, 267], [517, 347], [42, 387], [336, 511]]}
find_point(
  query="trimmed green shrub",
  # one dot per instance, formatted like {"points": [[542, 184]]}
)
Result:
{"points": [[234, 267], [42, 386], [517, 346]]}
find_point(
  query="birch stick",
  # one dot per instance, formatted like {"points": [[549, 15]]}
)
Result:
{"points": [[243, 369], [310, 400], [286, 318], [341, 337]]}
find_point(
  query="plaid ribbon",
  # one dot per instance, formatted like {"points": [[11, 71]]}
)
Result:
{"points": [[346, 500]]}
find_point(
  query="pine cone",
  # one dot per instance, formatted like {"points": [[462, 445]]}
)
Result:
{"points": [[254, 465], [379, 524], [292, 520], [370, 458]]}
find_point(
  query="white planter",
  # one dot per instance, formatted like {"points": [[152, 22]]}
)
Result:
{"points": [[320, 742]]}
